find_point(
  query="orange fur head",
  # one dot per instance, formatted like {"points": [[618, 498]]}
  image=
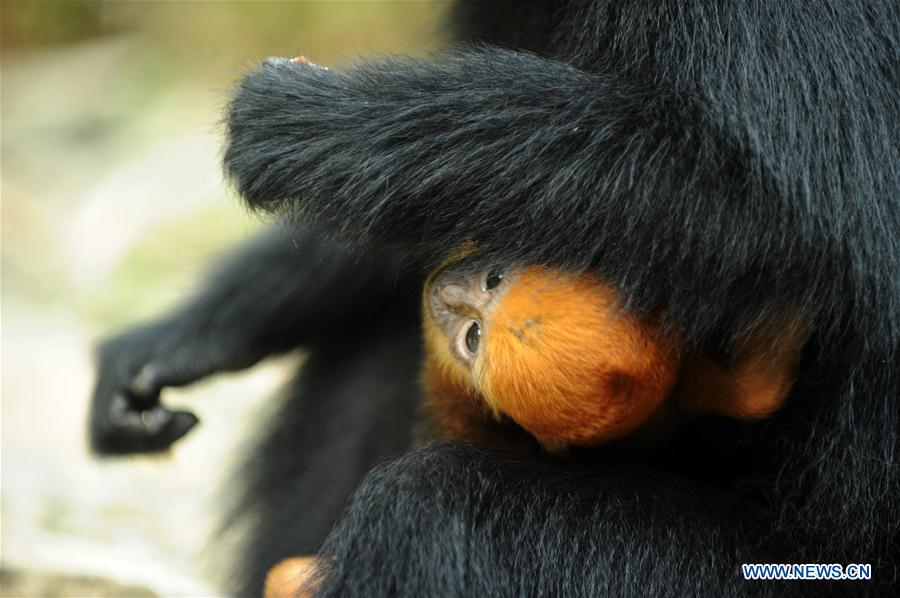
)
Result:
{"points": [[561, 359], [565, 362]]}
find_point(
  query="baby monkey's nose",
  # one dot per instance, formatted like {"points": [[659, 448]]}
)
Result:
{"points": [[454, 295]]}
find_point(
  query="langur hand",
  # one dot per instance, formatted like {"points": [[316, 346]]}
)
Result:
{"points": [[126, 413]]}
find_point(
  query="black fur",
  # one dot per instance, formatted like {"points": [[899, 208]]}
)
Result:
{"points": [[351, 407], [281, 291], [472, 522], [728, 162]]}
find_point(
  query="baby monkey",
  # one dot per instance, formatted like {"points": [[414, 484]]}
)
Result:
{"points": [[555, 353]]}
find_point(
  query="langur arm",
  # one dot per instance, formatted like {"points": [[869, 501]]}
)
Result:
{"points": [[536, 161], [279, 291]]}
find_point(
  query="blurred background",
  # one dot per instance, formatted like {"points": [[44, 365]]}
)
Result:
{"points": [[113, 206]]}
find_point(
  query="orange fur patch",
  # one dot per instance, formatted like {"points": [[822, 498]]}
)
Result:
{"points": [[756, 380], [565, 362], [288, 579]]}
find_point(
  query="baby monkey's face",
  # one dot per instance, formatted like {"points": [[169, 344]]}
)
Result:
{"points": [[462, 302], [550, 349]]}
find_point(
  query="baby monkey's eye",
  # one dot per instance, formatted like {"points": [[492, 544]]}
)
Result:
{"points": [[473, 338], [494, 278]]}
